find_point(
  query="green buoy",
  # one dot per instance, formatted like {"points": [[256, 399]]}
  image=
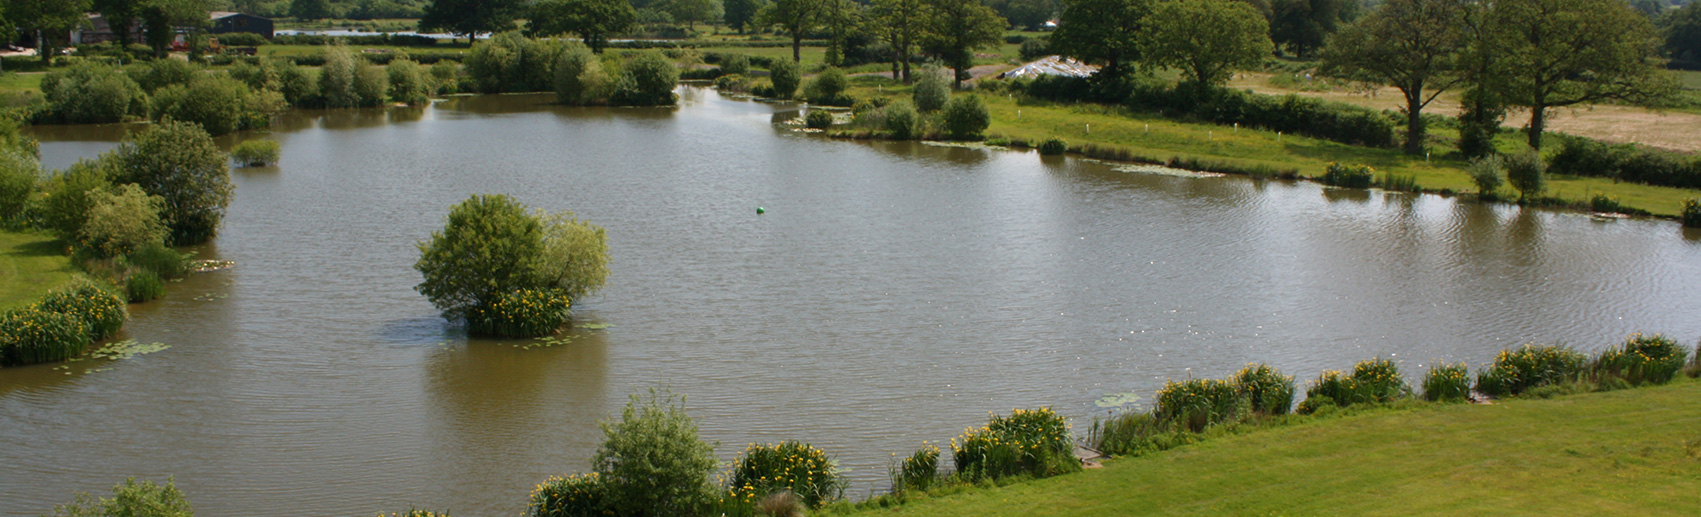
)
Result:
{"points": [[760, 210]]}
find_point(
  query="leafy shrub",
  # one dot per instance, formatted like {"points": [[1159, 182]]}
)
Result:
{"points": [[89, 93], [919, 471], [143, 285], [220, 104], [790, 466], [1530, 366], [70, 195], [1350, 177], [1625, 162], [161, 73], [732, 83], [580, 495], [735, 64], [1034, 442], [1526, 173], [31, 335], [1375, 381], [256, 153], [408, 82], [1642, 360], [1053, 147], [901, 119], [131, 499], [1132, 433], [572, 76], [519, 313], [785, 76], [574, 260], [1199, 403], [19, 174], [508, 62], [1486, 173], [346, 81], [122, 221], [647, 80], [931, 91], [1692, 213], [161, 260], [652, 461], [965, 117], [1265, 389], [101, 312], [1034, 48], [1447, 383], [445, 74], [242, 39], [828, 88], [178, 161], [297, 86], [818, 119]]}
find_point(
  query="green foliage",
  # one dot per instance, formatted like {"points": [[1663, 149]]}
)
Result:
{"points": [[581, 495], [486, 249], [1375, 381], [647, 80], [102, 313], [931, 91], [408, 82], [1034, 48], [1530, 366], [1266, 390], [519, 313], [785, 76], [143, 285], [1412, 45], [592, 20], [828, 88], [470, 17], [1625, 162], [220, 104], [71, 193], [1053, 147], [953, 29], [965, 117], [1350, 177], [1207, 39], [574, 260], [818, 119], [509, 62], [901, 119], [1642, 360], [131, 499], [652, 462], [1132, 433], [371, 84], [19, 175], [919, 471], [178, 161], [1487, 174], [161, 260], [1397, 182], [1526, 172], [1447, 383], [255, 153], [161, 73], [446, 75], [735, 64], [348, 81], [575, 81], [1105, 32], [1199, 403], [31, 336], [1035, 442], [1692, 213], [797, 467], [1479, 121], [297, 86], [122, 221], [91, 93]]}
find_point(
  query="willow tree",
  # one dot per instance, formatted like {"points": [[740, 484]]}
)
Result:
{"points": [[1413, 45]]}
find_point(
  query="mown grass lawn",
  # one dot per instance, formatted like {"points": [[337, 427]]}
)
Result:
{"points": [[30, 265], [1628, 452]]}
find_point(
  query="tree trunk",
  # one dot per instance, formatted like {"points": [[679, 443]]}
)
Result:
{"points": [[906, 68], [41, 47], [1414, 121], [1538, 117], [797, 46]]}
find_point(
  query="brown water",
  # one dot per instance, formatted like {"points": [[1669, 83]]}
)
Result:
{"points": [[893, 293]]}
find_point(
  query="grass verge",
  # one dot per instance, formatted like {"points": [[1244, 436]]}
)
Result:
{"points": [[30, 265]]}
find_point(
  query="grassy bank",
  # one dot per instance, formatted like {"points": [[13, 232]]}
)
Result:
{"points": [[30, 265], [1623, 452]]}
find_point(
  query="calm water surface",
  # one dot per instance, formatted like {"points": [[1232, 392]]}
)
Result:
{"points": [[893, 293]]}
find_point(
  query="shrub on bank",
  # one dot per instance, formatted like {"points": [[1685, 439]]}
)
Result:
{"points": [[179, 162], [1350, 177], [19, 175], [1447, 383], [652, 461], [408, 82], [160, 259], [1032, 442], [1530, 366], [901, 119], [1053, 147], [1266, 390], [1641, 360], [256, 153], [919, 471], [828, 88], [818, 119], [70, 195], [143, 285], [31, 336], [511, 63], [520, 313], [1199, 403], [131, 499], [1692, 213], [1375, 381], [1526, 172], [789, 466], [647, 80], [1487, 173], [89, 93], [965, 117], [122, 221], [101, 313], [220, 104], [931, 91], [785, 76], [580, 495]]}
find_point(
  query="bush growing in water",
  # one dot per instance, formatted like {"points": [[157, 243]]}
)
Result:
{"points": [[122, 221], [90, 93], [828, 88], [578, 76], [520, 313], [178, 161], [931, 90], [652, 462], [785, 76], [1053, 146], [1530, 366], [102, 313], [647, 80], [966, 117], [31, 335], [143, 285], [509, 62], [1526, 173], [408, 82], [1486, 173], [220, 104], [256, 153], [1642, 360], [1267, 391], [1447, 383], [818, 119], [1350, 177], [1035, 442], [790, 466], [131, 499]]}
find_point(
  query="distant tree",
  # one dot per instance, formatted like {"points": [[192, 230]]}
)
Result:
{"points": [[1102, 32], [1414, 45], [593, 20], [120, 15], [1302, 25], [179, 162], [1682, 31], [164, 17], [693, 11], [470, 17], [741, 14], [50, 21], [1026, 14], [1206, 39], [1552, 53], [955, 28], [310, 9], [900, 24], [842, 20], [797, 18]]}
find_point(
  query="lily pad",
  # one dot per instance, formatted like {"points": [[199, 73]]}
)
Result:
{"points": [[1116, 400]]}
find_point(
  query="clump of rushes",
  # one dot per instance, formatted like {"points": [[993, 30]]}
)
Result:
{"points": [[1694, 368], [571, 496], [256, 153], [1447, 383], [917, 472], [1692, 213], [101, 312], [1266, 389], [1036, 442], [818, 119], [520, 313], [1351, 177], [791, 466], [1530, 366], [1642, 360], [1198, 403], [1053, 147], [31, 335], [1374, 381], [143, 285]]}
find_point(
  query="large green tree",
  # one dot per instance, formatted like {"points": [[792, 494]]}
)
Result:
{"points": [[1682, 31], [1554, 53], [693, 11], [120, 16], [164, 17], [593, 20], [179, 162], [1414, 45], [310, 9], [955, 28], [471, 17], [49, 21], [1302, 25], [899, 23], [1102, 32], [797, 18], [1026, 14], [1206, 39], [741, 14], [491, 246]]}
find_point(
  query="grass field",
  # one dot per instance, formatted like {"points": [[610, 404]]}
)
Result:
{"points": [[30, 265], [1628, 452]]}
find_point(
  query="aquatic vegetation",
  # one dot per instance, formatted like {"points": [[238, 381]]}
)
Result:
{"points": [[918, 471], [790, 466], [1197, 403], [1642, 360], [1035, 442], [1447, 383], [1530, 366], [1267, 391], [1375, 381], [1351, 177]]}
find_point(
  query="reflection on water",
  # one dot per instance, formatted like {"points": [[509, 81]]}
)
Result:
{"points": [[894, 292]]}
